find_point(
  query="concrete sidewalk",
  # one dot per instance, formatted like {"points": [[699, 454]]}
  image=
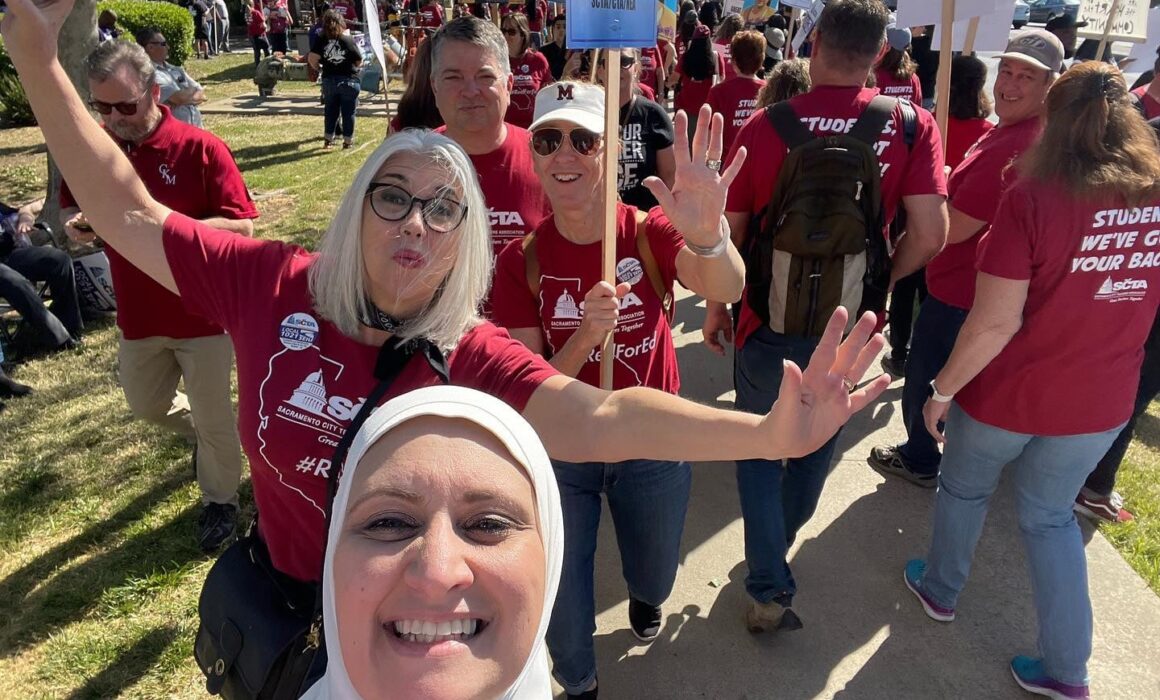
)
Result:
{"points": [[865, 635]]}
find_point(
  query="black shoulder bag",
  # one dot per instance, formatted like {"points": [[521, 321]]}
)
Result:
{"points": [[260, 630]]}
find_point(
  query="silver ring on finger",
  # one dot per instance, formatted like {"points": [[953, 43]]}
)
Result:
{"points": [[849, 384], [713, 164]]}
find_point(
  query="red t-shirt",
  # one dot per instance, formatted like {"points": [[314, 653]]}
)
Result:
{"points": [[278, 19], [975, 188], [301, 380], [735, 99], [650, 64], [694, 93], [1151, 105], [191, 171], [344, 9], [537, 24], [725, 51], [515, 200], [907, 88], [646, 92], [530, 72], [1094, 271], [257, 24], [961, 135], [645, 355], [431, 16], [827, 110]]}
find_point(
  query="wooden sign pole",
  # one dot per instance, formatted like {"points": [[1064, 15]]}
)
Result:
{"points": [[611, 167], [972, 32], [943, 86], [1115, 11]]}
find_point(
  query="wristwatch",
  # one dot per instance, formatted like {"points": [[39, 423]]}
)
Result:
{"points": [[937, 397]]}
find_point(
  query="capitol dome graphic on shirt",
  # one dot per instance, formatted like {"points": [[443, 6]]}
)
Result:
{"points": [[566, 306], [310, 394]]}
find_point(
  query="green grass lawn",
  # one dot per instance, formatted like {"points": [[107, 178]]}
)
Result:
{"points": [[99, 573]]}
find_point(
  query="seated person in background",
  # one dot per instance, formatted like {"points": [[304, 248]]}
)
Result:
{"points": [[481, 552], [23, 264]]}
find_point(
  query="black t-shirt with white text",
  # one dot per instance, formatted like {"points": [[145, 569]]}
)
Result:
{"points": [[339, 56], [645, 128]]}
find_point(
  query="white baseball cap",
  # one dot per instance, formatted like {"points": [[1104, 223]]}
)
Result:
{"points": [[581, 104]]}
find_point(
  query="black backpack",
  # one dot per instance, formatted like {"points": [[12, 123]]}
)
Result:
{"points": [[819, 243]]}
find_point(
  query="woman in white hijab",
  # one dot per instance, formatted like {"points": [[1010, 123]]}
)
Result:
{"points": [[444, 554]]}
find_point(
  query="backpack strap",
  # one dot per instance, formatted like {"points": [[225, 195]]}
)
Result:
{"points": [[531, 264], [651, 269], [909, 123], [873, 121], [788, 125]]}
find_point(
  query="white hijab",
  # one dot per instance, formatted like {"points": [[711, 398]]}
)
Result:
{"points": [[499, 419]]}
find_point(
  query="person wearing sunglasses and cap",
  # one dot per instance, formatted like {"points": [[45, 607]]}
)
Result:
{"points": [[193, 172], [177, 90], [549, 295]]}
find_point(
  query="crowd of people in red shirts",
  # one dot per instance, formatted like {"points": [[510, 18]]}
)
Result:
{"points": [[1034, 216]]}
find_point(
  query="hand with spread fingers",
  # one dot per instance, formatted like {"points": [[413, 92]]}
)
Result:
{"points": [[696, 203], [30, 29], [812, 405]]}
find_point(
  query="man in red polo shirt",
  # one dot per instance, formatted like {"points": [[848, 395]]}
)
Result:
{"points": [[472, 81], [1026, 72], [192, 172]]}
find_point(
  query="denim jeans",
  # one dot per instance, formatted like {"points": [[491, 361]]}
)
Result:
{"points": [[935, 331], [775, 501], [1049, 472], [647, 500], [907, 291], [339, 99]]}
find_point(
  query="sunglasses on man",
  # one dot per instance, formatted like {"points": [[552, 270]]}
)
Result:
{"points": [[626, 61], [547, 141], [126, 108]]}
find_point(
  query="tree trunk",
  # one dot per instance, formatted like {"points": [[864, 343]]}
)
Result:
{"points": [[78, 38]]}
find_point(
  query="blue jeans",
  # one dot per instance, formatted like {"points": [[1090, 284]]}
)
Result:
{"points": [[775, 502], [339, 99], [935, 331], [1049, 471], [648, 500]]}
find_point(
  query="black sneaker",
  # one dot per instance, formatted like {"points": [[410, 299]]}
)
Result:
{"points": [[10, 388], [893, 366], [216, 525], [644, 619], [586, 695], [886, 461]]}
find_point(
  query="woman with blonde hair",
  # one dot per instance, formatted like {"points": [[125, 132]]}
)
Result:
{"points": [[1044, 372], [390, 303], [786, 79]]}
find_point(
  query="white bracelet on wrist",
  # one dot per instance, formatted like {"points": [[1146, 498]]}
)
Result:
{"points": [[711, 251], [939, 397]]}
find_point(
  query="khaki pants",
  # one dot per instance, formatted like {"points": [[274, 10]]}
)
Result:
{"points": [[149, 372]]}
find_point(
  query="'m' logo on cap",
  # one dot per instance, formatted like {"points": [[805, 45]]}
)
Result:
{"points": [[1033, 42], [564, 92]]}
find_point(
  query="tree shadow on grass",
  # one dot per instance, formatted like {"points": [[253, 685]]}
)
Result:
{"points": [[239, 73], [130, 666], [39, 599], [23, 150]]}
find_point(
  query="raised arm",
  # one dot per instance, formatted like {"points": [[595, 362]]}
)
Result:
{"points": [[101, 178], [581, 423]]}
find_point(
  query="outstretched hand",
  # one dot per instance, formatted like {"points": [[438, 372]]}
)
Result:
{"points": [[812, 405], [696, 203], [30, 29]]}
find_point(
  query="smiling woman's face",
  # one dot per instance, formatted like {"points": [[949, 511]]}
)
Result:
{"points": [[439, 568]]}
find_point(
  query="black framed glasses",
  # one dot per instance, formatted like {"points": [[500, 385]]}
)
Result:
{"points": [[126, 108], [547, 141], [390, 202]]}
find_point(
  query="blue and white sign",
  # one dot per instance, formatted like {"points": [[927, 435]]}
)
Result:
{"points": [[612, 24]]}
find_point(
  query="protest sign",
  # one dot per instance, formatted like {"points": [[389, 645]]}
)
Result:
{"points": [[605, 24], [667, 19], [919, 13], [756, 12], [1114, 20], [1145, 53], [809, 19], [992, 33], [374, 32]]}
